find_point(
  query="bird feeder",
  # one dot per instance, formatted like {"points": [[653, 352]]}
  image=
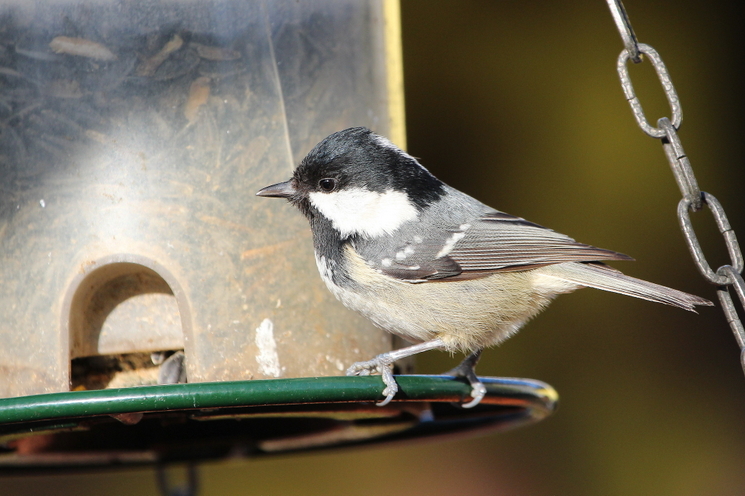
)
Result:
{"points": [[152, 308]]}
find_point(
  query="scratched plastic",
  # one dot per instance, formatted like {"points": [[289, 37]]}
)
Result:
{"points": [[133, 137]]}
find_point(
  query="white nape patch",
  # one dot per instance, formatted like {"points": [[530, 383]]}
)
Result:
{"points": [[364, 212], [450, 244], [268, 359], [386, 143]]}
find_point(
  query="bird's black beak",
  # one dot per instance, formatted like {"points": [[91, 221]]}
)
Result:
{"points": [[279, 190]]}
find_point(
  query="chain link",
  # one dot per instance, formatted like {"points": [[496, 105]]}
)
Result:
{"points": [[680, 164], [697, 252], [667, 85], [627, 32], [726, 276]]}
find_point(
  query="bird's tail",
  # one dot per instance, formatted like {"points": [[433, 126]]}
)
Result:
{"points": [[601, 276]]}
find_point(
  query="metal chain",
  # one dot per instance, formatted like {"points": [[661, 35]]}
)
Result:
{"points": [[693, 199]]}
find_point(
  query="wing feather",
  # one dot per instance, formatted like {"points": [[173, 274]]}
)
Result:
{"points": [[491, 243]]}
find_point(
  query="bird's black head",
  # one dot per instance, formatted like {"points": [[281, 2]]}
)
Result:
{"points": [[358, 158], [353, 175]]}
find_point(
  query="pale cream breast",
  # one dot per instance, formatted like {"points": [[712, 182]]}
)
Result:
{"points": [[467, 315]]}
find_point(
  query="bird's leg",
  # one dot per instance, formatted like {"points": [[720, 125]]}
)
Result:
{"points": [[467, 370], [172, 369], [383, 363]]}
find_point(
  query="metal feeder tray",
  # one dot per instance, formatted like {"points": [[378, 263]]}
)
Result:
{"points": [[199, 421]]}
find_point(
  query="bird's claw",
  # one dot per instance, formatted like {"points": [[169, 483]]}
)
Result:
{"points": [[478, 391], [467, 370], [380, 364]]}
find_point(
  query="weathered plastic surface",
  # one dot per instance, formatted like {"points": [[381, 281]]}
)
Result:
{"points": [[133, 137]]}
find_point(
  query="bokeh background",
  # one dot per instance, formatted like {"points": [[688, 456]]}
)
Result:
{"points": [[519, 104]]}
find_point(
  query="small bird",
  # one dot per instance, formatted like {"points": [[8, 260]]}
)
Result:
{"points": [[431, 264]]}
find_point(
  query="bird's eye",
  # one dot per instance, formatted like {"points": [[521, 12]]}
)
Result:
{"points": [[327, 184]]}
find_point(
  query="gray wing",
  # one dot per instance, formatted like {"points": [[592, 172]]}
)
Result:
{"points": [[492, 242], [503, 242]]}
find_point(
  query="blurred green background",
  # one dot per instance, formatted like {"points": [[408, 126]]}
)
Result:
{"points": [[519, 104]]}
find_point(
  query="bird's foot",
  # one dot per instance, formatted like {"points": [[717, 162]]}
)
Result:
{"points": [[467, 370], [383, 364]]}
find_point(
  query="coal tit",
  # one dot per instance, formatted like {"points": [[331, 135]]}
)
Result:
{"points": [[431, 264]]}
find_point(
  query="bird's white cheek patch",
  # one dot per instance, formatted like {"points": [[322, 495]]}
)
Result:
{"points": [[364, 212]]}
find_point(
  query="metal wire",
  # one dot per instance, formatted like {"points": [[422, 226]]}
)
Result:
{"points": [[726, 276]]}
